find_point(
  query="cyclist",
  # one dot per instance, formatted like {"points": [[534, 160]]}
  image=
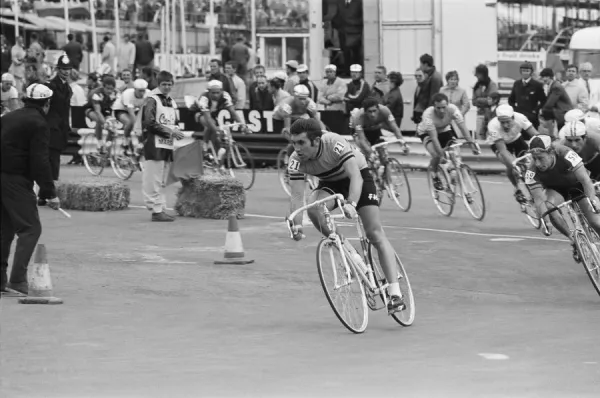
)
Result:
{"points": [[555, 175], [436, 132], [128, 105], [340, 169], [576, 136], [99, 107], [507, 142], [207, 108]]}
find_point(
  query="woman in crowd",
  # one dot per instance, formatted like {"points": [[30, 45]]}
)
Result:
{"points": [[456, 95], [393, 98]]}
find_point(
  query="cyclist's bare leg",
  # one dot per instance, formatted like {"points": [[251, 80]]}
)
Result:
{"points": [[592, 218], [316, 214], [435, 158], [127, 122], [555, 199], [507, 158], [98, 128]]}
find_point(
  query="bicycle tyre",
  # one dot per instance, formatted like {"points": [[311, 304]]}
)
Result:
{"points": [[395, 167], [239, 158], [282, 173], [117, 160], [405, 317], [93, 162], [530, 211], [362, 309], [448, 195], [589, 258], [477, 186]]}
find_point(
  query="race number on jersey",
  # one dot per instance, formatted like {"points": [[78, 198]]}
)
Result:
{"points": [[294, 165], [573, 158], [339, 148], [530, 177]]}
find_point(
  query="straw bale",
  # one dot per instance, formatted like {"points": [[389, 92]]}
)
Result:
{"points": [[93, 194], [211, 196]]}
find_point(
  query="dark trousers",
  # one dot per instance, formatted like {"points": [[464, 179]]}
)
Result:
{"points": [[20, 217], [55, 163]]}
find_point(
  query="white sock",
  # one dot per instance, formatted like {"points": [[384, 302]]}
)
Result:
{"points": [[394, 289]]}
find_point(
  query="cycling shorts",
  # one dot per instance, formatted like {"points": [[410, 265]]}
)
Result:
{"points": [[568, 193], [119, 112], [374, 136], [445, 138], [368, 195], [517, 147], [105, 112], [593, 167]]}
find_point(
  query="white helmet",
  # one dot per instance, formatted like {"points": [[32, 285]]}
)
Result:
{"points": [[38, 91], [574, 115], [140, 84], [300, 90], [573, 129], [504, 111]]}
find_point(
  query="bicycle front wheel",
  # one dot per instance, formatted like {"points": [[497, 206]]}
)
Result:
{"points": [[443, 198], [472, 193], [406, 317], [282, 172], [343, 288], [589, 257], [528, 208], [241, 164], [122, 165], [93, 161], [397, 184]]}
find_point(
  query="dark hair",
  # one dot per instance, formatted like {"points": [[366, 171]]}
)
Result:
{"points": [[451, 74], [148, 71], [311, 127], [276, 83], [164, 76], [369, 103], [259, 66], [483, 70], [547, 72], [526, 65], [34, 36], [125, 70], [572, 66], [93, 77], [232, 63], [218, 61], [426, 59], [70, 36], [109, 80], [439, 97], [495, 96], [106, 38], [383, 68], [396, 77]]}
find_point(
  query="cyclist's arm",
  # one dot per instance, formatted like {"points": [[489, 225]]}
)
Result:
{"points": [[583, 177], [539, 198], [208, 122], [287, 123], [98, 111], [362, 142], [433, 135], [234, 114], [393, 127], [462, 126], [531, 132], [297, 187], [356, 180]]}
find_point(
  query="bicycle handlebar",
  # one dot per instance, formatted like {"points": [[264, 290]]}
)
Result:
{"points": [[568, 202], [385, 143], [521, 159], [337, 197]]}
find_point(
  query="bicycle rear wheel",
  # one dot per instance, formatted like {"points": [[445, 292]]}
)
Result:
{"points": [[282, 173], [405, 317], [93, 161], [590, 258], [122, 165], [397, 184], [443, 199], [241, 164], [343, 289], [471, 191]]}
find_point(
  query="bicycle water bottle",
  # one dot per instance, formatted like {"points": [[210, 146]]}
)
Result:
{"points": [[356, 258], [453, 175], [221, 153]]}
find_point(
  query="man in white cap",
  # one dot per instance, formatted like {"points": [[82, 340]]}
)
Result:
{"points": [[313, 91], [291, 68], [10, 95], [585, 143], [25, 159], [507, 142], [333, 91], [357, 89], [127, 108]]}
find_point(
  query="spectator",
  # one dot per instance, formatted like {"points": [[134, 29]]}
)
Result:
{"points": [[381, 86], [126, 81], [418, 108], [304, 80], [10, 95], [149, 76], [456, 95], [292, 76], [78, 98], [237, 84], [483, 88], [592, 86], [333, 91], [144, 53], [17, 67], [527, 95], [431, 84], [357, 90], [348, 20], [258, 71], [4, 55], [576, 88], [260, 97], [126, 55], [493, 101], [557, 102], [241, 56], [36, 50], [216, 74], [225, 51], [276, 85], [109, 53], [393, 98], [92, 83], [74, 51], [31, 75]]}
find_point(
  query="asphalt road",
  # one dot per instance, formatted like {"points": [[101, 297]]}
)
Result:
{"points": [[501, 310]]}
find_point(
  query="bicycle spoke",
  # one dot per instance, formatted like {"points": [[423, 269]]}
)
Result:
{"points": [[472, 193], [397, 185], [444, 198]]}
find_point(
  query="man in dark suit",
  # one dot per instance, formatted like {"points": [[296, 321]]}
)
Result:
{"points": [[74, 51], [558, 102], [58, 115], [24, 148], [527, 95], [348, 20]]}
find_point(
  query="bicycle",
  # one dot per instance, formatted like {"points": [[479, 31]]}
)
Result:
{"points": [[466, 179], [237, 157], [365, 283], [390, 176], [284, 176], [585, 238], [520, 167]]}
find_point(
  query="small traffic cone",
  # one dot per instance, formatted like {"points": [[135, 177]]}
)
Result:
{"points": [[234, 249], [40, 284]]}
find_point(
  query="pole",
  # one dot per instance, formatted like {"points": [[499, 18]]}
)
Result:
{"points": [[66, 8], [316, 38], [163, 46], [94, 36], [173, 34], [211, 29], [183, 32], [167, 54], [16, 11], [117, 29], [253, 31]]}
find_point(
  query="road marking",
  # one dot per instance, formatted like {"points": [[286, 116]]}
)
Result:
{"points": [[505, 239], [481, 181], [493, 357]]}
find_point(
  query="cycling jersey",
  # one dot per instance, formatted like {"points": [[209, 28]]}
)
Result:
{"points": [[333, 152], [561, 177], [99, 97], [384, 117], [128, 100], [205, 104], [497, 133], [289, 107], [589, 153], [430, 122]]}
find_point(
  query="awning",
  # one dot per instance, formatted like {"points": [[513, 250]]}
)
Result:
{"points": [[581, 4], [24, 25], [45, 9], [77, 26], [43, 23]]}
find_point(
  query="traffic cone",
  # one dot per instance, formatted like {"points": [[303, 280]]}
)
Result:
{"points": [[234, 249], [40, 284]]}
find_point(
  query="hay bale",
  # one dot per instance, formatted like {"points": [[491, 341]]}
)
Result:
{"points": [[93, 194], [211, 196]]}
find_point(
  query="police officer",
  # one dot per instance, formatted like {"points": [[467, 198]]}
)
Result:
{"points": [[58, 115], [24, 147]]}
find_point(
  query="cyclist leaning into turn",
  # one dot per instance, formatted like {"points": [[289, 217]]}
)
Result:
{"points": [[555, 175], [436, 132], [340, 169], [585, 143]]}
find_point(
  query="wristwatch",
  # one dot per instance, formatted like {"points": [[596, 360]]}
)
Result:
{"points": [[351, 203]]}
